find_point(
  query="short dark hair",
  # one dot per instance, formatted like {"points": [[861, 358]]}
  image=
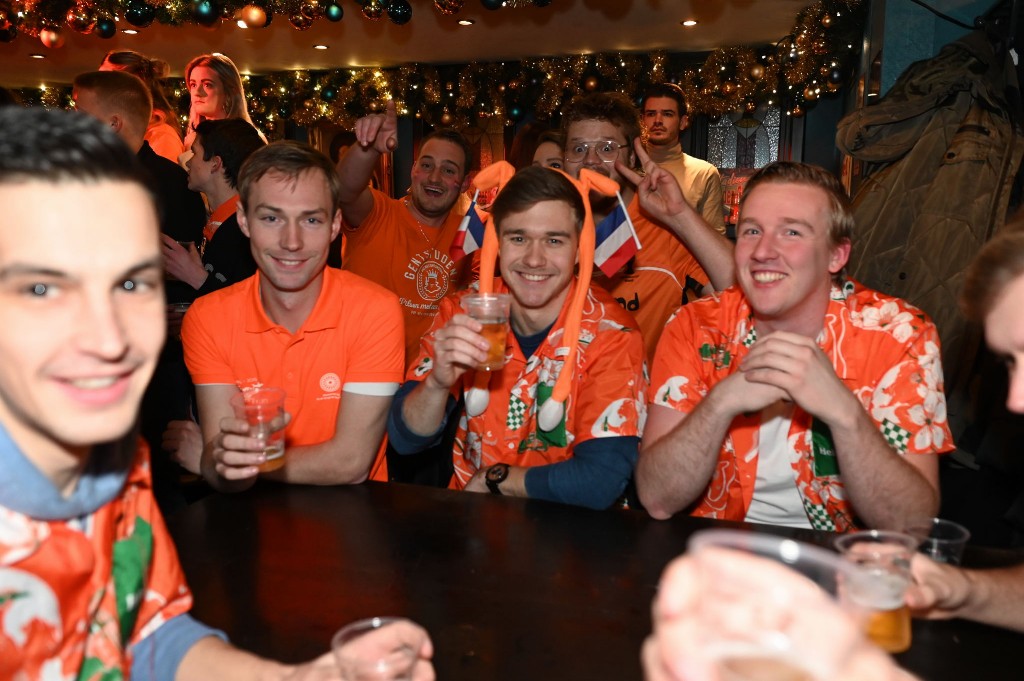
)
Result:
{"points": [[533, 185], [614, 107], [288, 158], [62, 146], [670, 90], [458, 139], [232, 139], [121, 91]]}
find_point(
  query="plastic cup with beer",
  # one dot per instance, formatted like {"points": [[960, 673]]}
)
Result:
{"points": [[885, 556], [491, 310], [941, 540], [361, 658], [772, 608], [263, 410]]}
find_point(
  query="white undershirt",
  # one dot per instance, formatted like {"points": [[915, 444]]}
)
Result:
{"points": [[776, 500]]}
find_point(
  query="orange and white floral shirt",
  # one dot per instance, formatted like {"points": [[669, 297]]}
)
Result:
{"points": [[606, 400], [883, 349], [76, 594]]}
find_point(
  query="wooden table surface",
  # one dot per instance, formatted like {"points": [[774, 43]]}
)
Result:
{"points": [[508, 588]]}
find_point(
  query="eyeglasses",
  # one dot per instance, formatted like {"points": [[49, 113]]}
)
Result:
{"points": [[606, 150]]}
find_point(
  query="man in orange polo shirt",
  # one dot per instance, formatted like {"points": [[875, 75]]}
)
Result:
{"points": [[403, 244], [332, 340]]}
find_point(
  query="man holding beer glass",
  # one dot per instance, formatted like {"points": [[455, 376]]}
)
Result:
{"points": [[798, 397], [330, 339], [561, 420]]}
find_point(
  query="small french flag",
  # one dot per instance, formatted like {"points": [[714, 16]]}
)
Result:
{"points": [[470, 236], [615, 240]]}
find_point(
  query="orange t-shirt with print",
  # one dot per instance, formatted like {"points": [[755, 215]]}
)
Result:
{"points": [[883, 349], [392, 249], [353, 335], [651, 286], [76, 594]]}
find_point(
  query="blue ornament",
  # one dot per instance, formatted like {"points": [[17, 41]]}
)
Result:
{"points": [[399, 11], [139, 14], [105, 28], [206, 12], [328, 94], [492, 4], [516, 112], [334, 12]]}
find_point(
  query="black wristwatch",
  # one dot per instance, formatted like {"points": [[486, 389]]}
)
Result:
{"points": [[496, 475]]}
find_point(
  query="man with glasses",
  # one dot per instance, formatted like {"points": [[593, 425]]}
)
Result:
{"points": [[679, 251]]}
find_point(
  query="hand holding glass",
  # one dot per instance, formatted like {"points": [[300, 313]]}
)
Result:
{"points": [[941, 540], [263, 410], [491, 310], [364, 651]]}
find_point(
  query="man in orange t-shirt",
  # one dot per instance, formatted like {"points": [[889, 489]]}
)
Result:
{"points": [[403, 244], [677, 246], [330, 339]]}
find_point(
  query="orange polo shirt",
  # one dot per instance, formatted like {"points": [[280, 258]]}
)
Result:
{"points": [[352, 341]]}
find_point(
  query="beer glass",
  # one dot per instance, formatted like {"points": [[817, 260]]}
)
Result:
{"points": [[941, 540], [360, 659], [491, 310], [886, 558], [263, 410]]}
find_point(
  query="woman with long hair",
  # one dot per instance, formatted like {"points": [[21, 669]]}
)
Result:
{"points": [[215, 88], [163, 133]]}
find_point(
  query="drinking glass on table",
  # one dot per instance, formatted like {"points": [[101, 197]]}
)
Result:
{"points": [[491, 310], [363, 655], [263, 410], [886, 558], [762, 601], [941, 540]]}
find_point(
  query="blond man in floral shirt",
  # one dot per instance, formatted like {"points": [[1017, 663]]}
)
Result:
{"points": [[796, 397]]}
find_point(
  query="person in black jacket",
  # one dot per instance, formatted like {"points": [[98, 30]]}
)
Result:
{"points": [[219, 149]]}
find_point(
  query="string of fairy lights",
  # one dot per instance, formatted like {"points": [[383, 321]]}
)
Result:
{"points": [[814, 60]]}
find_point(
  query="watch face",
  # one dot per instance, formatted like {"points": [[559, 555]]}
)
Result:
{"points": [[497, 472]]}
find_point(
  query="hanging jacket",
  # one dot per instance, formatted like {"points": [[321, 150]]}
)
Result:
{"points": [[942, 149]]}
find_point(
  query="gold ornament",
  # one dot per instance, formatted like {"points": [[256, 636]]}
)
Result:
{"points": [[448, 7], [300, 21], [313, 9], [728, 88], [254, 16], [373, 9], [750, 106], [81, 18], [826, 20], [797, 111], [590, 84], [446, 118], [756, 72], [810, 93]]}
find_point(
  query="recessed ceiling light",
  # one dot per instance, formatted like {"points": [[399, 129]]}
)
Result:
{"points": [[241, 24], [38, 56], [466, 22], [689, 22], [321, 47], [129, 31]]}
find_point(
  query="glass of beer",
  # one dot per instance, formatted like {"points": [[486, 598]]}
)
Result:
{"points": [[771, 608], [263, 409], [491, 310], [360, 658], [885, 556]]}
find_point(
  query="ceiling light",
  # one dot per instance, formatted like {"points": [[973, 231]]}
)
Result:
{"points": [[37, 56], [320, 47], [129, 31], [466, 22], [688, 22], [241, 24]]}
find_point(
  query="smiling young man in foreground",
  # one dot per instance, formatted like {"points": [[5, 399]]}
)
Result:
{"points": [[797, 397], [90, 585]]}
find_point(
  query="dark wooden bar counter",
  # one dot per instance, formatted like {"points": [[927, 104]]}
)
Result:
{"points": [[508, 588]]}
